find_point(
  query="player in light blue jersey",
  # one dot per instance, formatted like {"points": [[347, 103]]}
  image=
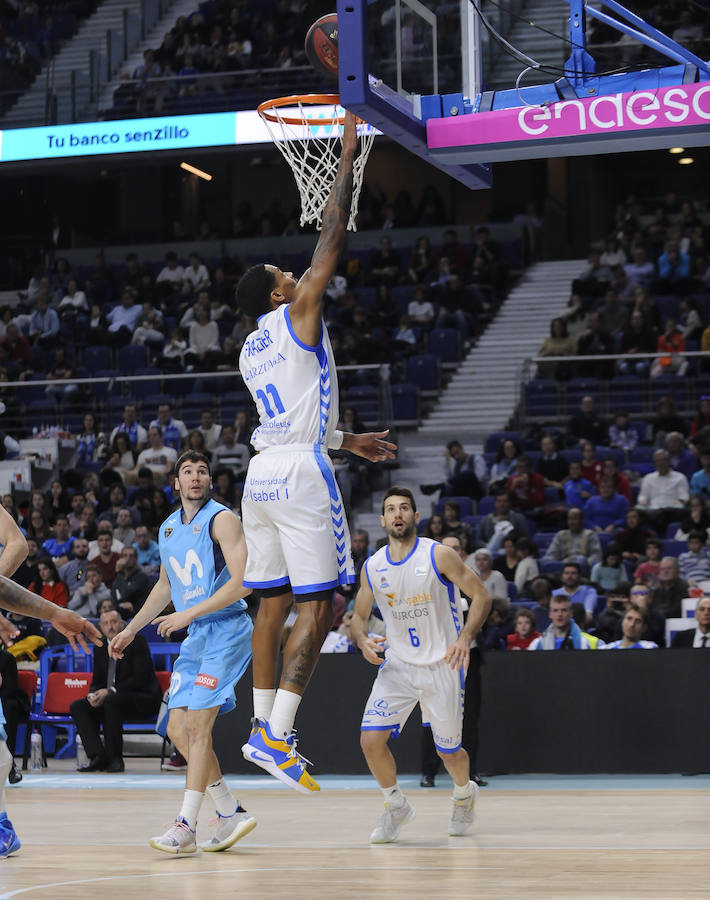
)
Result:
{"points": [[202, 554], [417, 584], [294, 518], [17, 599], [633, 626]]}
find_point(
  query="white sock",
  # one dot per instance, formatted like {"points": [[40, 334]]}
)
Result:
{"points": [[284, 712], [263, 703], [393, 795], [223, 799], [463, 791], [5, 766], [190, 807]]}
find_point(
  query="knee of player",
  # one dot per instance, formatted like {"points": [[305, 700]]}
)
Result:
{"points": [[197, 731], [372, 741], [452, 758]]}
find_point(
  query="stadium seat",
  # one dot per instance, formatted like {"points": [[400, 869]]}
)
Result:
{"points": [[541, 397], [95, 358], [423, 371], [405, 403], [445, 344], [674, 625], [496, 438], [673, 548], [628, 392], [465, 505], [132, 357], [58, 692], [486, 505]]}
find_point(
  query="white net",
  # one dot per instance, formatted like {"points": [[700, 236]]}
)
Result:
{"points": [[311, 145]]}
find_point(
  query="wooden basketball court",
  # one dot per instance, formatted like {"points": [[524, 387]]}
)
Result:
{"points": [[534, 837]]}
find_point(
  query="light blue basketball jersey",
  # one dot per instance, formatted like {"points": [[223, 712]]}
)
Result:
{"points": [[193, 561], [294, 386]]}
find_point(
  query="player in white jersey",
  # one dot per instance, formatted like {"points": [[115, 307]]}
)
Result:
{"points": [[294, 519], [15, 598], [416, 583]]}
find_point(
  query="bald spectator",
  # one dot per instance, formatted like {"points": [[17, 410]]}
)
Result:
{"points": [[698, 637], [481, 561], [664, 493], [550, 464], [668, 596], [575, 543]]}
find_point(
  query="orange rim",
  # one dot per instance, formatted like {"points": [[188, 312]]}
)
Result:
{"points": [[264, 109]]}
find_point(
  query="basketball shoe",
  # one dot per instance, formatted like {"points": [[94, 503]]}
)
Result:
{"points": [[9, 841], [179, 838], [461, 821], [229, 830], [278, 757], [391, 821]]}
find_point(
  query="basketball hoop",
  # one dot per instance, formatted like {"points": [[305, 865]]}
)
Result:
{"points": [[310, 141]]}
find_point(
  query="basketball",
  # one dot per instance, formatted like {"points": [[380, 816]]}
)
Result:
{"points": [[322, 45]]}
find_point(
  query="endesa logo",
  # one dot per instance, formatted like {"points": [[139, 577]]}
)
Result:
{"points": [[208, 681], [663, 108]]}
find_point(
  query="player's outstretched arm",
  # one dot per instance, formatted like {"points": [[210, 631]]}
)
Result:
{"points": [[76, 629], [14, 545], [358, 626], [371, 445], [307, 306], [155, 603], [227, 531], [452, 567]]}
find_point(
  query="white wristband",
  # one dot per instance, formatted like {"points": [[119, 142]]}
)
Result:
{"points": [[336, 442]]}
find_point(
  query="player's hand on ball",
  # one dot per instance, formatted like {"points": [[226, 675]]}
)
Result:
{"points": [[458, 655], [174, 622], [370, 647]]}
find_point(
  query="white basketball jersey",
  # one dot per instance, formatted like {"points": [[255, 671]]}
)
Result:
{"points": [[421, 609], [294, 386]]}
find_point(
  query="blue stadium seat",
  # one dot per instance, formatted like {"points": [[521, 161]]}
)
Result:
{"points": [[445, 343], [132, 357], [613, 453], [465, 505], [486, 505], [496, 438], [673, 548], [405, 403], [541, 398], [628, 392], [142, 389], [512, 591], [423, 370], [95, 358]]}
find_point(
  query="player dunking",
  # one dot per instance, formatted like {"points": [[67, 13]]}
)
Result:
{"points": [[294, 519], [16, 599], [202, 556], [416, 583]]}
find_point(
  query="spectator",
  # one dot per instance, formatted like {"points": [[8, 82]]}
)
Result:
{"points": [[664, 493], [209, 429], [579, 615], [609, 619], [632, 539], [507, 562], [621, 434], [702, 417], [38, 527], [117, 502], [667, 420], [673, 270], [606, 512], [497, 627], [697, 518], [123, 531], [681, 459], [120, 459], [595, 341], [493, 581], [86, 599], [131, 585], [204, 351], [526, 488], [171, 276], [672, 343], [633, 625], [587, 425], [639, 270], [230, 453], [78, 502], [577, 592], [15, 706], [640, 596], [157, 457], [73, 572], [638, 337], [385, 263], [687, 32], [559, 343], [562, 633], [606, 575], [174, 430], [118, 692], [541, 594], [422, 263], [50, 585], [421, 310], [60, 546], [621, 483], [122, 319], [576, 488], [594, 278], [694, 564], [527, 568], [454, 526], [525, 632], [504, 466], [671, 590], [147, 550], [197, 278], [106, 558], [137, 434], [698, 637], [465, 473], [647, 570], [592, 467], [612, 314], [550, 465], [44, 324], [575, 544], [91, 445]]}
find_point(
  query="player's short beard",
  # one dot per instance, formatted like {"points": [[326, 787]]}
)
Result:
{"points": [[404, 535]]}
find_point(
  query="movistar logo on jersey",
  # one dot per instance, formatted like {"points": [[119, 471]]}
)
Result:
{"points": [[258, 343], [184, 573]]}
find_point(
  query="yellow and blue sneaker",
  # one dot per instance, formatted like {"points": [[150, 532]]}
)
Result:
{"points": [[9, 841], [278, 757]]}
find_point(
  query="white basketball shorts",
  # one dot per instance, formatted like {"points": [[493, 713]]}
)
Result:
{"points": [[398, 688], [294, 522]]}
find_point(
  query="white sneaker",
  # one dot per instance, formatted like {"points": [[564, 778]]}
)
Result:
{"points": [[229, 830], [461, 821], [390, 822], [179, 838]]}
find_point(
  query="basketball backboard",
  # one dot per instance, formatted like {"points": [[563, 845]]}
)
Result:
{"points": [[412, 68]]}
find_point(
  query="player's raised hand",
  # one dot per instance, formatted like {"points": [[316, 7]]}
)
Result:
{"points": [[371, 445], [174, 622], [458, 654], [119, 643], [76, 629], [370, 645], [349, 133]]}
